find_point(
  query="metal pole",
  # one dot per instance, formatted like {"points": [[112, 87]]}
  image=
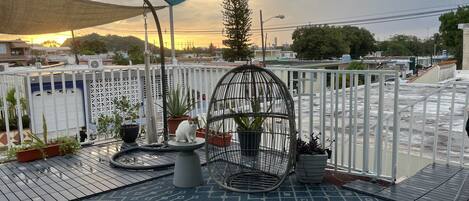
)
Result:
{"points": [[74, 46], [163, 73], [262, 40], [149, 112], [171, 28], [396, 129]]}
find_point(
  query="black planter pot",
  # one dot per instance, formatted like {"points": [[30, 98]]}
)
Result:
{"points": [[129, 133], [249, 142]]}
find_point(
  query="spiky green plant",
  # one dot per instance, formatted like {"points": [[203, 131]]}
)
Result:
{"points": [[246, 123], [177, 103]]}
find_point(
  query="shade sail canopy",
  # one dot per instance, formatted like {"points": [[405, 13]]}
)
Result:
{"points": [[25, 17]]}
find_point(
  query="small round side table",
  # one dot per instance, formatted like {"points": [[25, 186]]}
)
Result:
{"points": [[187, 171]]}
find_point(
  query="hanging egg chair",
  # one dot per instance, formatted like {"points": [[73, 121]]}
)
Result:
{"points": [[251, 112]]}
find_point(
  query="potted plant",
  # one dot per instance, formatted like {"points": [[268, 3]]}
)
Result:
{"points": [[37, 148], [215, 136], [178, 107], [122, 123], [249, 128], [311, 160], [68, 145]]}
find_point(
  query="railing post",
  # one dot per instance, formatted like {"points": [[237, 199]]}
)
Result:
{"points": [[437, 123], [379, 132], [336, 126], [350, 123], [366, 124], [311, 102], [322, 111], [4, 90], [396, 128], [86, 103], [463, 133], [450, 132]]}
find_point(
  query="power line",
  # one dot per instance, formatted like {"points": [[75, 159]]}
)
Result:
{"points": [[374, 20]]}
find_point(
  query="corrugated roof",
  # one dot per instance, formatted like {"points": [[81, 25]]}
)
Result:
{"points": [[25, 17]]}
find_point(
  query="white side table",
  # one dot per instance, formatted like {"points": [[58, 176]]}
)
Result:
{"points": [[187, 170]]}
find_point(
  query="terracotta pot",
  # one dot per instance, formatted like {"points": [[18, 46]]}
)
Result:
{"points": [[36, 154], [173, 123], [216, 140], [200, 133]]}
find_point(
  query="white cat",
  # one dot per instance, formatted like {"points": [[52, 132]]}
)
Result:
{"points": [[186, 131]]}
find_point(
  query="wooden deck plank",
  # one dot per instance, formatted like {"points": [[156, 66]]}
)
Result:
{"points": [[435, 182]]}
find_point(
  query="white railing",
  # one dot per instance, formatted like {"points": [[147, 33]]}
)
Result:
{"points": [[373, 131], [341, 110], [432, 129]]}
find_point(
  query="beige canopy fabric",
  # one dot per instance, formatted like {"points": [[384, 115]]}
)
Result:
{"points": [[26, 17]]}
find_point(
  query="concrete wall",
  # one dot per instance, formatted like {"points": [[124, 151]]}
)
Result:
{"points": [[437, 74], [465, 58]]}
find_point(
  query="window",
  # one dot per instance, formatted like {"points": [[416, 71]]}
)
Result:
{"points": [[3, 48]]}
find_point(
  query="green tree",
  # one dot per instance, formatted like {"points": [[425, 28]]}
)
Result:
{"points": [[136, 55], [451, 36], [119, 59], [355, 65], [407, 45], [212, 49], [237, 22], [359, 40], [318, 42], [92, 47]]}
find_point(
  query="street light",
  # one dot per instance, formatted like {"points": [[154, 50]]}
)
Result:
{"points": [[262, 33]]}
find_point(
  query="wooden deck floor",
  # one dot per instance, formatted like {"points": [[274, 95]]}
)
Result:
{"points": [[433, 183]]}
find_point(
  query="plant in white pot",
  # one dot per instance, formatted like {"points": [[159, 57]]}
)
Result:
{"points": [[311, 160]]}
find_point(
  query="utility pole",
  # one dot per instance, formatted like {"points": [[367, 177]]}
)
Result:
{"points": [[262, 40]]}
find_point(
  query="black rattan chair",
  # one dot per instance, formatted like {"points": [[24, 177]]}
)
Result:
{"points": [[250, 131]]}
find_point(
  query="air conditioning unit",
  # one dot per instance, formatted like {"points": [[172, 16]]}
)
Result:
{"points": [[95, 63], [4, 67]]}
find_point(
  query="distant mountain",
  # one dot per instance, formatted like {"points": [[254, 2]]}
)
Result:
{"points": [[113, 42]]}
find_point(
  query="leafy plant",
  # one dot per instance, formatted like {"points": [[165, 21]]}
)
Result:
{"points": [[246, 123], [68, 145], [202, 123], [177, 104], [125, 113], [36, 143], [12, 112], [312, 147]]}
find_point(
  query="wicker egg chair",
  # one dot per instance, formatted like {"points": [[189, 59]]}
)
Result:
{"points": [[251, 116]]}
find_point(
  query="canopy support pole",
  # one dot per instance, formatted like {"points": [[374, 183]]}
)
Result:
{"points": [[164, 82], [75, 51]]}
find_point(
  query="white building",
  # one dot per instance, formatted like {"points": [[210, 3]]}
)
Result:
{"points": [[275, 55]]}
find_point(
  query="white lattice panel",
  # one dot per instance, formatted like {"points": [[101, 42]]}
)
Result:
{"points": [[103, 93]]}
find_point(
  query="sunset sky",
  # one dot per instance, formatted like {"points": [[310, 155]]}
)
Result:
{"points": [[206, 15]]}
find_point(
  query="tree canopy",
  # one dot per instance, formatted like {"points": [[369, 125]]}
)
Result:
{"points": [[451, 36], [407, 45], [237, 22], [322, 42]]}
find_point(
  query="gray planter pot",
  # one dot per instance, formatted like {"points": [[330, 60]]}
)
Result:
{"points": [[311, 168]]}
